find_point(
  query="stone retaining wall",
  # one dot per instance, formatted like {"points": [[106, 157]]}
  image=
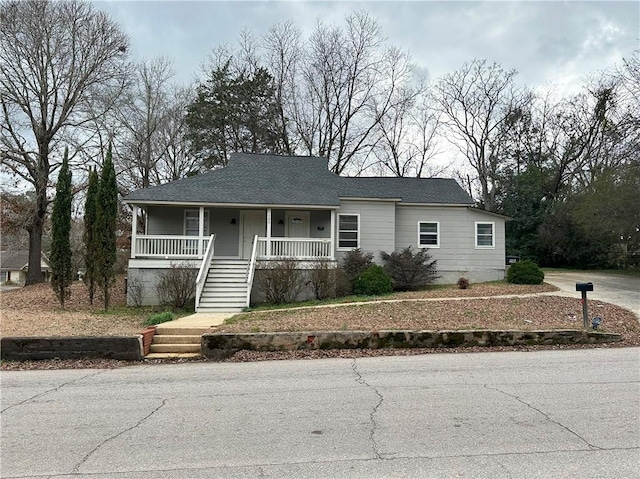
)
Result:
{"points": [[218, 345], [105, 347]]}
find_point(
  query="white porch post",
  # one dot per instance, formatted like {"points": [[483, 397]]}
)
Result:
{"points": [[134, 230], [268, 232], [200, 231], [333, 234]]}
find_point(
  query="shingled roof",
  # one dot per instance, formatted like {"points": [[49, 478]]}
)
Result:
{"points": [[256, 179]]}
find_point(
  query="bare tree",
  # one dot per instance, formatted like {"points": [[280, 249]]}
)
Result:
{"points": [[477, 102], [408, 136], [55, 59], [350, 79], [151, 120]]}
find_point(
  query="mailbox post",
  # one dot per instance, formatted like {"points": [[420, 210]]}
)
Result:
{"points": [[583, 288]]}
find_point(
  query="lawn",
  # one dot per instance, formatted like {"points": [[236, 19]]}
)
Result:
{"points": [[34, 311]]}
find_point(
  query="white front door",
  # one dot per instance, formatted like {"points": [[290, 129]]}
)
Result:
{"points": [[251, 223], [296, 224]]}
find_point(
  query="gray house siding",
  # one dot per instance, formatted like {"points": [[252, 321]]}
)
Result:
{"points": [[377, 226], [457, 253]]}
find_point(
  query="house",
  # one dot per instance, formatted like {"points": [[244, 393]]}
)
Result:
{"points": [[15, 264], [261, 208]]}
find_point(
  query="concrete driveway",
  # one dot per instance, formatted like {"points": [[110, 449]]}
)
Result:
{"points": [[616, 289]]}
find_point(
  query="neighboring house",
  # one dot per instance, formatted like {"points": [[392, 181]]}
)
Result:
{"points": [[15, 264], [265, 207]]}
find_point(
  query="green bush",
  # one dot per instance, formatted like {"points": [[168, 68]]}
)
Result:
{"points": [[355, 263], [159, 318], [525, 272], [373, 281], [409, 270]]}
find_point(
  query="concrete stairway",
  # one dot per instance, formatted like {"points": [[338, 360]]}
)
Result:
{"points": [[176, 342], [225, 289]]}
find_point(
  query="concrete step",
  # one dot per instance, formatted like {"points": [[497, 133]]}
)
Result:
{"points": [[181, 331], [220, 274], [175, 348], [233, 288], [220, 309], [213, 295], [220, 304], [171, 355], [177, 339]]}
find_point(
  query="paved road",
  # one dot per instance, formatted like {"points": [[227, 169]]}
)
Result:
{"points": [[554, 414], [613, 288]]}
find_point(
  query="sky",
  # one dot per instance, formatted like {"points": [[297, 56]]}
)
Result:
{"points": [[550, 43]]}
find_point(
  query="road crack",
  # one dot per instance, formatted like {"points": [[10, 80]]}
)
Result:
{"points": [[547, 416], [57, 388], [372, 414], [115, 436]]}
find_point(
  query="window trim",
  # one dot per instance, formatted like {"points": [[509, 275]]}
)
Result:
{"points": [[493, 234], [437, 245], [207, 219], [338, 230]]}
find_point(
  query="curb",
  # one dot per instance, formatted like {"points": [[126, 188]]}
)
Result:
{"points": [[221, 345]]}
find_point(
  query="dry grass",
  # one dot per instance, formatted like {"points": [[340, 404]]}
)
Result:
{"points": [[34, 311]]}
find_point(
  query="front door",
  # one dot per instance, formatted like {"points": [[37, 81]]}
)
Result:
{"points": [[297, 224], [251, 223]]}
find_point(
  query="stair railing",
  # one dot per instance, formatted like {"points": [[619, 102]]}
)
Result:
{"points": [[251, 269], [204, 270]]}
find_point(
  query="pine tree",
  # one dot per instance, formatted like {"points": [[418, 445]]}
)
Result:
{"points": [[105, 227], [90, 240], [60, 260]]}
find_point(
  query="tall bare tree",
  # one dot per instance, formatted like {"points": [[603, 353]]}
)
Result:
{"points": [[151, 119], [477, 102], [55, 59]]}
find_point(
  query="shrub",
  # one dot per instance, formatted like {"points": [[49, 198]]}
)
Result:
{"points": [[177, 285], [323, 280], [159, 318], [355, 263], [281, 281], [135, 290], [409, 270], [463, 283], [344, 286], [373, 281], [525, 272]]}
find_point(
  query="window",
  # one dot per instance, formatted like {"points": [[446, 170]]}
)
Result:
{"points": [[348, 231], [192, 223], [484, 235], [429, 234]]}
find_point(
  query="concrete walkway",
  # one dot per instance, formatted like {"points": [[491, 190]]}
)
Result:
{"points": [[198, 320]]}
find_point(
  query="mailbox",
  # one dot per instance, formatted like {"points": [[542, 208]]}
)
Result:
{"points": [[584, 286]]}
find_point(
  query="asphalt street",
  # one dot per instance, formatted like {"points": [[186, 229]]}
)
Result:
{"points": [[567, 413], [616, 289]]}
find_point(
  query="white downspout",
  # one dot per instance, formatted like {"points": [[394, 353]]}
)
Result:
{"points": [[333, 234]]}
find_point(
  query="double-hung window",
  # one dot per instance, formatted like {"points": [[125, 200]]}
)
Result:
{"points": [[428, 234], [192, 223], [485, 236], [348, 231]]}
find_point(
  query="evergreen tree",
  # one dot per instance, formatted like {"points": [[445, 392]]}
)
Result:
{"points": [[60, 260], [90, 212], [105, 227]]}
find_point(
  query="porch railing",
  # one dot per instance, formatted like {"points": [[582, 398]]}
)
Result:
{"points": [[204, 269], [299, 248], [170, 246]]}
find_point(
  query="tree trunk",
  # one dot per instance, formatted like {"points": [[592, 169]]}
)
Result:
{"points": [[34, 273]]}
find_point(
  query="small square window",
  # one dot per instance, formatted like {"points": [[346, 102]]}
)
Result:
{"points": [[485, 235], [348, 231], [429, 234]]}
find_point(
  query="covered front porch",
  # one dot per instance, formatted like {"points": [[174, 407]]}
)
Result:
{"points": [[184, 232]]}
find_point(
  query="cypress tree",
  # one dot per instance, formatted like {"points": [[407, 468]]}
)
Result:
{"points": [[60, 260], [105, 230], [90, 212]]}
